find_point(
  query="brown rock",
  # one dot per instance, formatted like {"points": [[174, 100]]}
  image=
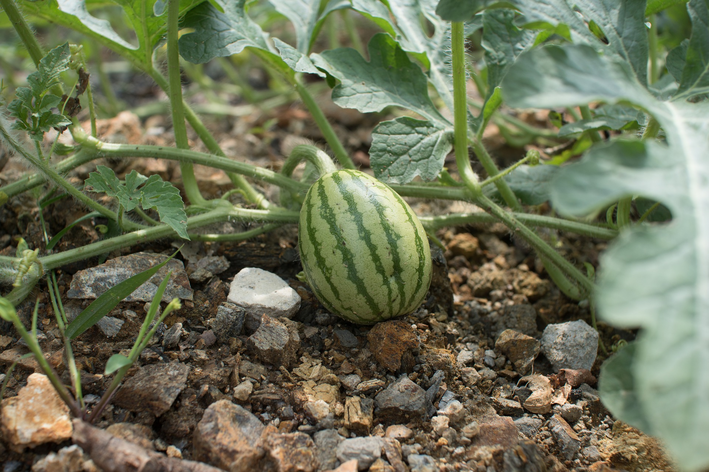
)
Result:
{"points": [[576, 377], [349, 466], [136, 433], [380, 466], [390, 341], [67, 459], [519, 348], [541, 398], [359, 414], [35, 416], [440, 359], [227, 437], [464, 244], [530, 285], [496, 431], [290, 452], [154, 388], [392, 450], [275, 342]]}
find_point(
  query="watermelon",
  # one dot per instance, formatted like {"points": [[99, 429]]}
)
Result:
{"points": [[364, 252]]}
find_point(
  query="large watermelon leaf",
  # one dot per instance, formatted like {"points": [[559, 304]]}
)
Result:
{"points": [[655, 278]]}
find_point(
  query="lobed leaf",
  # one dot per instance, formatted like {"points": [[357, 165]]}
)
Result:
{"points": [[695, 74], [307, 17], [655, 278], [531, 184]]}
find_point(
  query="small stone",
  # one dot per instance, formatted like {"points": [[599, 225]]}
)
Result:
{"points": [[154, 388], [380, 465], [365, 450], [519, 348], [528, 426], [521, 318], [464, 244], [259, 291], [94, 282], [172, 451], [351, 381], [394, 454], [317, 410], [440, 424], [349, 466], [274, 342], [471, 430], [346, 338], [136, 433], [229, 321], [172, 337], [470, 376], [326, 442], [399, 431], [391, 342], [496, 431], [465, 358], [228, 434], [402, 400], [591, 454], [369, 386], [290, 452], [207, 267], [576, 377], [110, 325], [454, 410], [422, 463], [507, 407], [540, 399], [37, 415], [67, 459], [487, 374], [359, 414], [571, 413], [571, 345], [565, 436], [242, 392]]}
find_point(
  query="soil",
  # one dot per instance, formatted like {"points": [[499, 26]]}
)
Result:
{"points": [[482, 272]]}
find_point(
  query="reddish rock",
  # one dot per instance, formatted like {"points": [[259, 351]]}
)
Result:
{"points": [[35, 416], [392, 341], [575, 377], [496, 431]]}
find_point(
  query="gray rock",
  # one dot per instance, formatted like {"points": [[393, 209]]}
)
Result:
{"points": [[288, 452], [346, 338], [326, 442], [67, 458], [571, 413], [571, 345], [351, 381], [109, 325], [528, 425], [422, 463], [566, 438], [275, 342], [207, 267], [465, 358], [591, 454], [172, 336], [519, 348], [507, 407], [453, 410], [522, 318], [94, 282], [365, 450], [229, 321], [259, 292], [402, 400], [154, 388]]}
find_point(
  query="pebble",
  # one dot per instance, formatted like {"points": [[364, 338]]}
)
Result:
{"points": [[507, 407], [399, 432], [541, 397], [94, 282], [365, 450], [422, 463], [528, 425], [496, 431], [566, 438], [454, 410], [359, 414], [275, 342], [464, 244], [259, 291], [571, 345], [465, 358], [110, 325], [487, 374], [521, 318], [519, 348], [68, 459], [289, 452], [317, 410], [136, 433], [470, 376], [349, 466], [229, 321], [37, 415], [326, 442], [207, 267], [172, 336], [228, 433], [153, 388], [571, 413], [591, 454], [391, 343], [351, 381], [346, 338], [471, 429], [440, 424], [242, 392]]}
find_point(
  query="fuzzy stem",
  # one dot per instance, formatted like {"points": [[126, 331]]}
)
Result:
{"points": [[178, 116], [532, 155], [312, 154], [652, 45], [586, 115], [460, 109], [489, 165], [623, 212]]}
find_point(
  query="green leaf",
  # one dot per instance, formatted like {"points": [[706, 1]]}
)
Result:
{"points": [[676, 60], [607, 117], [695, 75], [617, 387], [405, 148], [622, 22], [148, 192], [115, 362], [531, 184], [108, 300], [652, 277], [463, 10], [656, 6], [295, 59], [503, 42], [307, 17], [388, 79]]}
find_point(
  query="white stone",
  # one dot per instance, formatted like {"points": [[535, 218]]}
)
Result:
{"points": [[440, 424], [261, 292], [243, 390]]}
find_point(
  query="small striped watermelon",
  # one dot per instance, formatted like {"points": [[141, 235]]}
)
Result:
{"points": [[364, 251]]}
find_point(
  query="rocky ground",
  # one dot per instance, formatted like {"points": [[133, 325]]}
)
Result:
{"points": [[495, 372]]}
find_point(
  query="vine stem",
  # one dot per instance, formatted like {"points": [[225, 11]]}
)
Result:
{"points": [[178, 116]]}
